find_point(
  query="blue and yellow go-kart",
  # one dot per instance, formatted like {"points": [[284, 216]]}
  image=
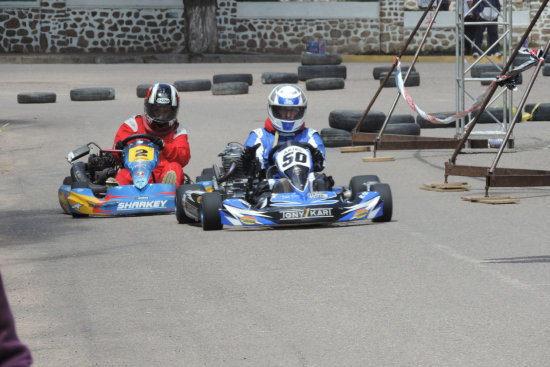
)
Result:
{"points": [[291, 194], [87, 191]]}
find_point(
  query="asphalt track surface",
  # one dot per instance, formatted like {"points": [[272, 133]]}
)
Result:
{"points": [[445, 283]]}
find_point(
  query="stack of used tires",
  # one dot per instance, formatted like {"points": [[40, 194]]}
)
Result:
{"points": [[225, 84], [342, 122], [322, 71], [380, 72]]}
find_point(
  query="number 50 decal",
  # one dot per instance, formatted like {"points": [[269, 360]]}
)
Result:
{"points": [[292, 158]]}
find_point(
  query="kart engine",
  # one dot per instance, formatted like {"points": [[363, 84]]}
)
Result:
{"points": [[237, 184]]}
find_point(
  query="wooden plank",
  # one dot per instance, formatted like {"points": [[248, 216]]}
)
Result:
{"points": [[354, 149], [378, 159]]}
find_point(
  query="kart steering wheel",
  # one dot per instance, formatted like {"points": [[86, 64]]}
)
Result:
{"points": [[151, 138], [273, 150]]}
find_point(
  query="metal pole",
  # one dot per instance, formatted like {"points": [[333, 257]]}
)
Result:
{"points": [[409, 40], [494, 87]]}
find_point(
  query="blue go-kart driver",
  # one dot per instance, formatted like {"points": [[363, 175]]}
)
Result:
{"points": [[286, 110]]}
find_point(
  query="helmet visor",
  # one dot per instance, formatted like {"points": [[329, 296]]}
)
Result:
{"points": [[288, 113], [162, 114]]}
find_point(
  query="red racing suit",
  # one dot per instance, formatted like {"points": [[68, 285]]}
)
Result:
{"points": [[173, 157]]}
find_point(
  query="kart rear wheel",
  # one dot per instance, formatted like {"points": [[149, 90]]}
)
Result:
{"points": [[357, 184], [180, 192], [387, 208], [211, 203]]}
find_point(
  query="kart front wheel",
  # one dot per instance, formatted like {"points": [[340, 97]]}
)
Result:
{"points": [[357, 183], [180, 192], [211, 204], [387, 208]]}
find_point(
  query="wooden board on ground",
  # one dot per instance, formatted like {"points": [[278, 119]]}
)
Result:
{"points": [[490, 199], [378, 159], [353, 149], [446, 187]]}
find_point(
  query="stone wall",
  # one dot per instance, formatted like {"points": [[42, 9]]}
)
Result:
{"points": [[54, 26]]}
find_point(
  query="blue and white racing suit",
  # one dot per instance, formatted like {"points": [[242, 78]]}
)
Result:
{"points": [[266, 138]]}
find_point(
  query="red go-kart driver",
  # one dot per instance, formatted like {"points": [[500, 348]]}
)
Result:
{"points": [[160, 120]]}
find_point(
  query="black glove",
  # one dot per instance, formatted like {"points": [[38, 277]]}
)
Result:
{"points": [[318, 160], [157, 140], [249, 153], [119, 145]]}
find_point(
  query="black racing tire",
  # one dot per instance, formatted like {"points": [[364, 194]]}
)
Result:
{"points": [[68, 180], [195, 85], [412, 81], [401, 119], [335, 137], [491, 75], [425, 124], [211, 203], [486, 118], [384, 69], [321, 59], [180, 212], [306, 72], [206, 175], [546, 70], [222, 89], [479, 69], [36, 97], [325, 83], [387, 209], [402, 129], [542, 113], [278, 78], [357, 184], [141, 90], [92, 94], [232, 78], [347, 119]]}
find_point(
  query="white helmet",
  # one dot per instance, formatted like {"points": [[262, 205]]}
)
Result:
{"points": [[286, 108]]}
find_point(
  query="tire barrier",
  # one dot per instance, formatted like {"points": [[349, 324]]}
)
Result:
{"points": [[232, 78], [278, 78], [479, 69], [384, 69], [36, 97], [229, 88], [306, 72], [92, 94], [325, 83], [194, 85], [402, 129], [141, 90], [320, 59], [401, 119], [347, 119], [538, 111], [412, 81], [335, 137]]}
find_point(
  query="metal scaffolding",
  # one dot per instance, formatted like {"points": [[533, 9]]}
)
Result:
{"points": [[467, 81]]}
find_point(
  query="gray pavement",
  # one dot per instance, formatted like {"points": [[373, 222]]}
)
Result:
{"points": [[446, 283]]}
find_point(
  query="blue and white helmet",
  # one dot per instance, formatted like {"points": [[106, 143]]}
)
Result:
{"points": [[286, 108]]}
